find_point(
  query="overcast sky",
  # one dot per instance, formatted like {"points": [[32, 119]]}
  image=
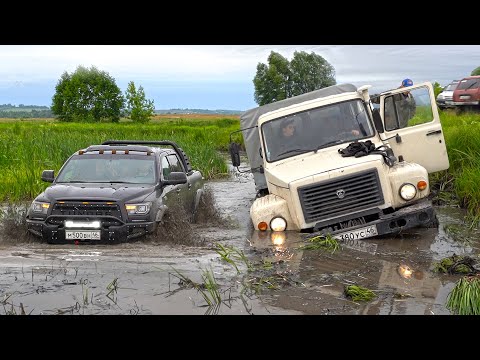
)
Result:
{"points": [[218, 76]]}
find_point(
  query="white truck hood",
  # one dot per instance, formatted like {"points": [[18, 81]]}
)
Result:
{"points": [[283, 172]]}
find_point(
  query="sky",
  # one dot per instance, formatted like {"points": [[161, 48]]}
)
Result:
{"points": [[218, 77]]}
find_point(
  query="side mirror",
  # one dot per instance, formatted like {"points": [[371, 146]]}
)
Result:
{"points": [[48, 175], [176, 178], [377, 120], [234, 149]]}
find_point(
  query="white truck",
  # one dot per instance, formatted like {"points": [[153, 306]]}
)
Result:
{"points": [[323, 183]]}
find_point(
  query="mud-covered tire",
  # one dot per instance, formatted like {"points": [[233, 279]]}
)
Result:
{"points": [[196, 205]]}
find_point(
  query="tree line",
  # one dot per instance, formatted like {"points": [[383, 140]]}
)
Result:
{"points": [[21, 106], [91, 95], [26, 114]]}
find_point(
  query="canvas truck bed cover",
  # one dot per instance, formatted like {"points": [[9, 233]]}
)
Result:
{"points": [[250, 117]]}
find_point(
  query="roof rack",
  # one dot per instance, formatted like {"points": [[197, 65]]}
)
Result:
{"points": [[127, 149], [153, 142]]}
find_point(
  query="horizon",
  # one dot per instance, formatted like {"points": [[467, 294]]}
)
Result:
{"points": [[219, 77]]}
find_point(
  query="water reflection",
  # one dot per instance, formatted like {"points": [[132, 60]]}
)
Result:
{"points": [[400, 272]]}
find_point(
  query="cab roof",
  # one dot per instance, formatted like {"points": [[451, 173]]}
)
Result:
{"points": [[138, 147]]}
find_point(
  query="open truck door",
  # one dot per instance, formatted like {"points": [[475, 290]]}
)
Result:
{"points": [[412, 126]]}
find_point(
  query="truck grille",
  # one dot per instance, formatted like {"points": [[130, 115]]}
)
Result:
{"points": [[96, 209], [341, 196]]}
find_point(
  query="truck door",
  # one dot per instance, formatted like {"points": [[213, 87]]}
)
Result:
{"points": [[412, 126], [183, 190]]}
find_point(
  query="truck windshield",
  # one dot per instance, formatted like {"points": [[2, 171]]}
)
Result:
{"points": [[129, 169], [315, 129]]}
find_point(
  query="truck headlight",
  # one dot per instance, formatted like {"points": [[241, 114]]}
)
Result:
{"points": [[40, 207], [278, 224], [408, 191], [138, 209]]}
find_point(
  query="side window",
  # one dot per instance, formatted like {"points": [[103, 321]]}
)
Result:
{"points": [[409, 108], [165, 168], [175, 164]]}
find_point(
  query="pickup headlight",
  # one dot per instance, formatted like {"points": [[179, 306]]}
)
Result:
{"points": [[408, 191], [40, 207], [138, 209]]}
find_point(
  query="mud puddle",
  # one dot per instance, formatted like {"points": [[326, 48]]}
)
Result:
{"points": [[255, 276]]}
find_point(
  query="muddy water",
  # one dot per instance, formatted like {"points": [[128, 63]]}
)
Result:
{"points": [[276, 277]]}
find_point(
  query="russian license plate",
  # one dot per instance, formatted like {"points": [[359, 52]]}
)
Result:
{"points": [[82, 235], [353, 239], [463, 97]]}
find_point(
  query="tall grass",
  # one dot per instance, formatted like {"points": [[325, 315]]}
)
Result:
{"points": [[462, 137], [28, 148]]}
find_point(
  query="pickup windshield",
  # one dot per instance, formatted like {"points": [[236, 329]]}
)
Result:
{"points": [[315, 129], [129, 169]]}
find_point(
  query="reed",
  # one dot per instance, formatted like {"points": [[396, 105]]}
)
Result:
{"points": [[27, 148]]}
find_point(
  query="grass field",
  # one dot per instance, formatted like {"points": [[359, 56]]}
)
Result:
{"points": [[29, 146]]}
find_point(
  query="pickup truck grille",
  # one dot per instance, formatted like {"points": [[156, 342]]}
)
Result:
{"points": [[94, 209], [341, 196]]}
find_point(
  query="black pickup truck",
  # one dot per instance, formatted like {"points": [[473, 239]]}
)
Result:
{"points": [[114, 192]]}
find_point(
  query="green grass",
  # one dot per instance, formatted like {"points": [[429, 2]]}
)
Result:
{"points": [[28, 148], [462, 137], [322, 242], [230, 254], [455, 264], [359, 293], [464, 299]]}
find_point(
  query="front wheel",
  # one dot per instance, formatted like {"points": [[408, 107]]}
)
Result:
{"points": [[196, 205]]}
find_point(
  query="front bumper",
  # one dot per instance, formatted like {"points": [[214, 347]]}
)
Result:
{"points": [[469, 103], [445, 104], [419, 214], [55, 234]]}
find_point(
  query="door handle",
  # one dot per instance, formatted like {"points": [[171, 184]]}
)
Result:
{"points": [[178, 191], [189, 186], [434, 132]]}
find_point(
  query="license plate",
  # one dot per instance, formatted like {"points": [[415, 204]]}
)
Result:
{"points": [[464, 97], [82, 235], [448, 102], [353, 239]]}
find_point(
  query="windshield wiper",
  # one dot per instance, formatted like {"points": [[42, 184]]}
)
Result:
{"points": [[293, 150], [121, 182], [72, 181], [333, 142]]}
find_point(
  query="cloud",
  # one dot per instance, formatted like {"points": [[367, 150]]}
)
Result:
{"points": [[180, 67]]}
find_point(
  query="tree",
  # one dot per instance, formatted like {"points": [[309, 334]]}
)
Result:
{"points": [[437, 89], [87, 95], [476, 71], [281, 79], [138, 108]]}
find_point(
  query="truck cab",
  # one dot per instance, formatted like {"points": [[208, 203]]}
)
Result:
{"points": [[316, 184]]}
